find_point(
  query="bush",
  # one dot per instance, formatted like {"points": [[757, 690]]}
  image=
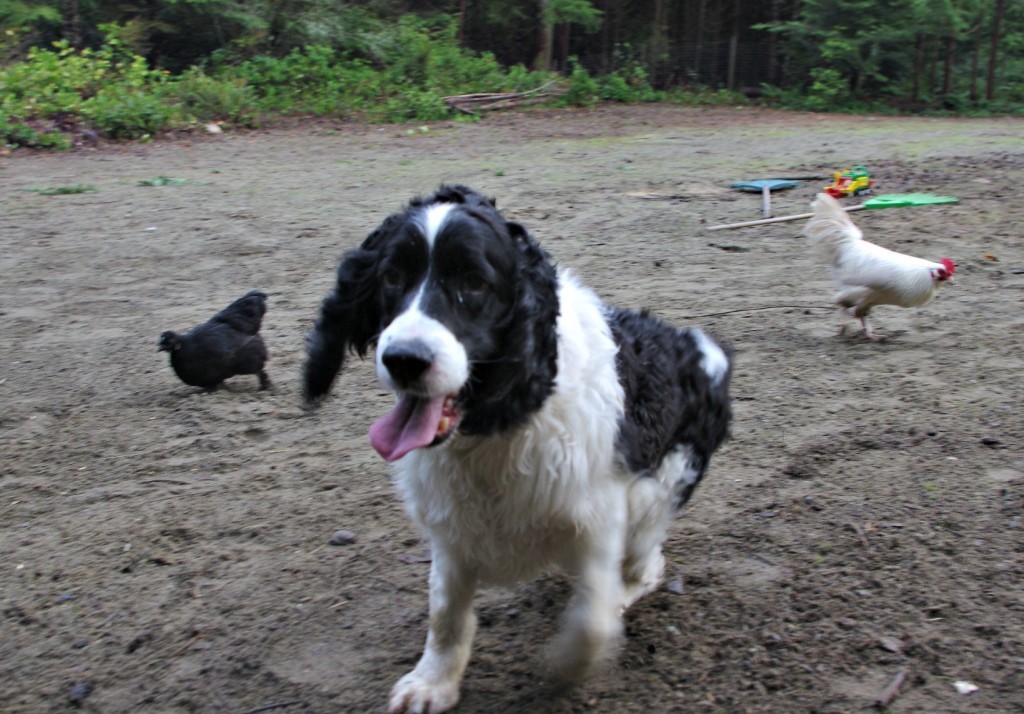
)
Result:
{"points": [[126, 113], [629, 82], [51, 89], [416, 105], [206, 98], [698, 96], [584, 90], [828, 89], [20, 134], [305, 81]]}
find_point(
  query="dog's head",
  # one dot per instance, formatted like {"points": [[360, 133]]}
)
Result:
{"points": [[461, 306]]}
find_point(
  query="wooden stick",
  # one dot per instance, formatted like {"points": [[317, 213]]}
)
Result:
{"points": [[890, 692], [800, 178], [778, 219]]}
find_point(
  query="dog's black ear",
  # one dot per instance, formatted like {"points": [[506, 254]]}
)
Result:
{"points": [[349, 318], [460, 193], [510, 389], [536, 316]]}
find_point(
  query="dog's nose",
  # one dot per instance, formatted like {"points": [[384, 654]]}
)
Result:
{"points": [[407, 361]]}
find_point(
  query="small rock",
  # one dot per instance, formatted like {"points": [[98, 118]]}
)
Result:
{"points": [[342, 538], [891, 643], [675, 586], [139, 640], [79, 691], [214, 128]]}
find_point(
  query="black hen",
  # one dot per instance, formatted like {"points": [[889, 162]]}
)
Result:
{"points": [[226, 345]]}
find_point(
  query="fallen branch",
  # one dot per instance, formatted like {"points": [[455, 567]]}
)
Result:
{"points": [[508, 103], [484, 101]]}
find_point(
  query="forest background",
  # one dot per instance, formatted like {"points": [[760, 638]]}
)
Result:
{"points": [[75, 71]]}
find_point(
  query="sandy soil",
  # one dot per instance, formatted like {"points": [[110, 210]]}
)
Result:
{"points": [[168, 551]]}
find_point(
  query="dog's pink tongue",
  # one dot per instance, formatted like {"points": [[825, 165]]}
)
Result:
{"points": [[410, 425]]}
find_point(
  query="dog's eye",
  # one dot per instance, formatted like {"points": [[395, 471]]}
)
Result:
{"points": [[472, 284], [391, 278]]}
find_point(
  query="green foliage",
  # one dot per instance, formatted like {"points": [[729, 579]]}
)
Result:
{"points": [[110, 87], [312, 81], [16, 133], [377, 61], [16, 13], [628, 83], [584, 90], [699, 96], [828, 89], [402, 74], [416, 105], [206, 98], [124, 112], [452, 69], [22, 24], [578, 12]]}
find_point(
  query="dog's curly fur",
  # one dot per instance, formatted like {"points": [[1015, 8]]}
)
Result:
{"points": [[536, 426]]}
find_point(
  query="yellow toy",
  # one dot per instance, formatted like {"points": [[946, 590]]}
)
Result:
{"points": [[850, 183]]}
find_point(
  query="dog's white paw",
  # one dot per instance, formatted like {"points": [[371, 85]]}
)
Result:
{"points": [[649, 579], [413, 694], [578, 652]]}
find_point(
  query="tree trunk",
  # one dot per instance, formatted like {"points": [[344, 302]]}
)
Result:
{"points": [[976, 55], [933, 68], [545, 40], [947, 70], [990, 80], [658, 44], [915, 87], [773, 61], [71, 19], [566, 29], [606, 46], [698, 49], [462, 23], [734, 41]]}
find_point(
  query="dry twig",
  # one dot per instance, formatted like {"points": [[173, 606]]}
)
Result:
{"points": [[483, 101], [892, 691]]}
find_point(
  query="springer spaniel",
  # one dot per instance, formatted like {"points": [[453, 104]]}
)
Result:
{"points": [[534, 426]]}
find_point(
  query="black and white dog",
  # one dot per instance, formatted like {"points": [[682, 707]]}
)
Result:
{"points": [[534, 427]]}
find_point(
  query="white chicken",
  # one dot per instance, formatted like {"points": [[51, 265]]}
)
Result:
{"points": [[867, 274]]}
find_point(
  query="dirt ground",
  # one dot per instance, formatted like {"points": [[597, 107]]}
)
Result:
{"points": [[166, 550]]}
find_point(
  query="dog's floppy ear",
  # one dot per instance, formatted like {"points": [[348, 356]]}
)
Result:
{"points": [[510, 389], [349, 318], [535, 310], [460, 193]]}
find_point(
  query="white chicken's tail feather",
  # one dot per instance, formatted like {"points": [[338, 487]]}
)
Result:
{"points": [[830, 227]]}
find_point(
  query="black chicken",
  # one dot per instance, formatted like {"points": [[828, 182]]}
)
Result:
{"points": [[226, 345]]}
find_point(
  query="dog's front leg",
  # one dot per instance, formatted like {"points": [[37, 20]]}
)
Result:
{"points": [[433, 686]]}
